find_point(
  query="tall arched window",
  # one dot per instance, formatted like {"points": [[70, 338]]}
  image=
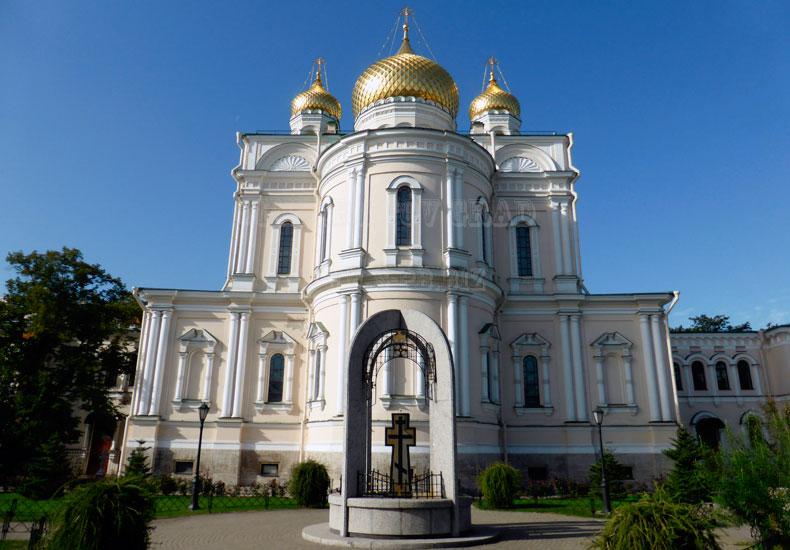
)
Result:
{"points": [[678, 381], [698, 374], [745, 375], [531, 383], [403, 231], [286, 247], [324, 234], [276, 377], [523, 252], [722, 380]]}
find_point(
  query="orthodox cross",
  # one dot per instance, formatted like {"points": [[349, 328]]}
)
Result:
{"points": [[400, 437]]}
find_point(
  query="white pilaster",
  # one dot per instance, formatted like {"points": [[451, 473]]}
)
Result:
{"points": [[460, 209], [241, 364], [182, 362], [566, 239], [650, 367], [359, 207], [159, 368], [230, 369], [342, 343], [385, 374], [352, 178], [321, 366], [420, 377], [567, 370], [452, 336], [259, 394], [464, 336], [253, 238], [662, 369], [312, 373], [556, 227], [289, 376], [142, 362], [544, 365], [356, 311], [629, 380], [578, 369], [234, 240], [495, 370], [519, 388], [209, 376], [245, 236], [599, 378], [451, 207], [486, 391]]}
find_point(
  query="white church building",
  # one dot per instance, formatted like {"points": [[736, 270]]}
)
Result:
{"points": [[476, 231]]}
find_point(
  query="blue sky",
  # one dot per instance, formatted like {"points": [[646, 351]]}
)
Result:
{"points": [[118, 121]]}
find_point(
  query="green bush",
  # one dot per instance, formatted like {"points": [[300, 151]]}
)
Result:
{"points": [[616, 474], [689, 479], [110, 513], [658, 523], [500, 485], [310, 483], [137, 465]]}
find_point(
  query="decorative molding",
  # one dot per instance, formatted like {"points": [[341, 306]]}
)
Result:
{"points": [[519, 164], [290, 163]]}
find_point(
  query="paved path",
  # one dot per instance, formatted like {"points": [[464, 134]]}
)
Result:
{"points": [[282, 530]]}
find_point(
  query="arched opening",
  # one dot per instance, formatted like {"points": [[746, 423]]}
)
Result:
{"points": [[523, 251], [102, 429], [531, 382], [709, 431], [286, 246], [403, 229]]}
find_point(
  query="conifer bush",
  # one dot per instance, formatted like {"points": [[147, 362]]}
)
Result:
{"points": [[656, 522], [616, 474], [110, 513], [310, 483], [500, 484], [688, 481]]}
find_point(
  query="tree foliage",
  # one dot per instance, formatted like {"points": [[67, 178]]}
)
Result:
{"points": [[657, 522], [310, 483], [689, 480], [616, 474], [754, 480], [500, 484], [64, 338], [137, 464], [717, 323]]}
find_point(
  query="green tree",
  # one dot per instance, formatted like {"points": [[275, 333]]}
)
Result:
{"points": [[717, 323], [500, 484], [688, 481], [616, 474], [137, 464], [754, 483], [64, 338], [310, 483]]}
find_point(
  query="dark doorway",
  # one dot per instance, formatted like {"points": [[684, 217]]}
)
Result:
{"points": [[102, 430], [709, 431]]}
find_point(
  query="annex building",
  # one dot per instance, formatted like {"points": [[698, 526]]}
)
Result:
{"points": [[477, 232]]}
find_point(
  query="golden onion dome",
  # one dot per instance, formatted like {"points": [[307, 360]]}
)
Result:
{"points": [[494, 98], [405, 74], [316, 98]]}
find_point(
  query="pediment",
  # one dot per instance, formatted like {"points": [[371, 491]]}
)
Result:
{"points": [[317, 330], [197, 336], [612, 339], [278, 337], [530, 339], [491, 330]]}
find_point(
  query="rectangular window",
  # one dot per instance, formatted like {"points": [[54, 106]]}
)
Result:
{"points": [[270, 469], [286, 247], [722, 380], [523, 252], [745, 375], [184, 467], [698, 375]]}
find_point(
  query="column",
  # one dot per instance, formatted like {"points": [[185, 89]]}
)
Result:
{"points": [[714, 382], [629, 380], [420, 372], [230, 369], [253, 238], [689, 382], [756, 379], [342, 343], [544, 365], [385, 376], [486, 391], [312, 375], [289, 375], [567, 370], [182, 363], [555, 221], [150, 360], [519, 397], [350, 220], [245, 235], [359, 207], [464, 337], [141, 362], [662, 369], [159, 367], [650, 367], [452, 336], [450, 216], [356, 310], [735, 382], [495, 369], [241, 364], [599, 378], [578, 369], [460, 209], [566, 240], [320, 362], [259, 395], [234, 238], [209, 376]]}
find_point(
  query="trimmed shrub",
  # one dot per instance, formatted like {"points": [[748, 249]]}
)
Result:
{"points": [[500, 485], [108, 513], [658, 523], [310, 483]]}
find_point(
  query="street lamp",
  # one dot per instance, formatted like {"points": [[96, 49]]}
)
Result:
{"points": [[598, 416], [203, 413]]}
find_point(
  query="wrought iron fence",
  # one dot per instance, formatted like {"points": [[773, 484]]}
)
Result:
{"points": [[378, 484]]}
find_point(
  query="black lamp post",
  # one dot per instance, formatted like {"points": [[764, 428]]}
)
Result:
{"points": [[203, 412], [607, 508]]}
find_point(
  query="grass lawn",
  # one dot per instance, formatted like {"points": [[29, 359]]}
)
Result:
{"points": [[178, 505], [579, 507], [13, 545]]}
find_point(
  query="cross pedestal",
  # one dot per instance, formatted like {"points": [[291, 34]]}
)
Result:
{"points": [[400, 436]]}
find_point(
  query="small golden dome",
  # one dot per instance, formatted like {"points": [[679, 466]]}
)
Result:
{"points": [[316, 98], [405, 74], [492, 98]]}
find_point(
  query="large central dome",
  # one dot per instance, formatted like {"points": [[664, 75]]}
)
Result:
{"points": [[405, 74]]}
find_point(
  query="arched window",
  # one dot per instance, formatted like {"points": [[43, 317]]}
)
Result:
{"points": [[722, 380], [403, 230], [698, 374], [531, 384], [523, 252], [678, 381], [745, 375], [276, 376], [286, 247], [324, 234]]}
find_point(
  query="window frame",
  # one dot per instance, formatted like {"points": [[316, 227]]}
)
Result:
{"points": [[531, 401], [748, 369], [698, 378], [722, 377]]}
